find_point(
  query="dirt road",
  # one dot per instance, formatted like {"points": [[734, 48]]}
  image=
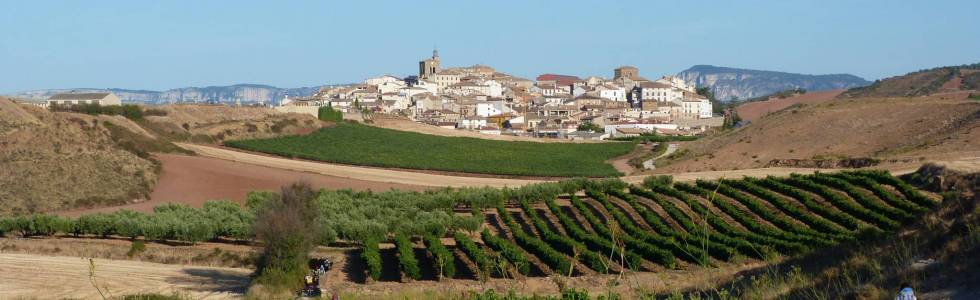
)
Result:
{"points": [[59, 277], [354, 172]]}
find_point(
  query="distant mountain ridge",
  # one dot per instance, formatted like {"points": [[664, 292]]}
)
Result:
{"points": [[728, 83], [244, 93]]}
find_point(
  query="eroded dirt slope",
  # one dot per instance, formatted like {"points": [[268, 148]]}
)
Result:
{"points": [[51, 161]]}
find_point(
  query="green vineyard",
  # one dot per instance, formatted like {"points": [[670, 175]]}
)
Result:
{"points": [[572, 228], [659, 226]]}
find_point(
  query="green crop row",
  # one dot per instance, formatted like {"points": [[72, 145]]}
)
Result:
{"points": [[406, 257], [790, 209], [659, 225], [687, 252], [445, 262], [861, 198], [172, 222], [843, 219], [566, 244], [843, 203], [475, 253], [789, 228], [880, 192], [594, 242], [358, 144], [782, 241], [557, 261], [372, 257], [508, 250], [910, 193], [648, 251], [761, 245]]}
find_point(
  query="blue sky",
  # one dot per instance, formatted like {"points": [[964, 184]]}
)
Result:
{"points": [[166, 44]]}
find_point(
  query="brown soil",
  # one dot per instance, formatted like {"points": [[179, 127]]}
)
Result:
{"points": [[752, 111], [195, 179], [51, 161], [925, 128], [61, 277]]}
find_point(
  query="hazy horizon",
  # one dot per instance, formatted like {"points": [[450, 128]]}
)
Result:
{"points": [[159, 46]]}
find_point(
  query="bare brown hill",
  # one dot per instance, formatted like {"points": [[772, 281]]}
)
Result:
{"points": [[902, 129], [52, 161], [752, 111], [950, 79], [216, 123]]}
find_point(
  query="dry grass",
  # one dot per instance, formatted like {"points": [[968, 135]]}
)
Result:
{"points": [[894, 128], [206, 254]]}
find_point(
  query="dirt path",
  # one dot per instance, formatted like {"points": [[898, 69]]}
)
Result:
{"points": [[355, 172], [58, 277]]}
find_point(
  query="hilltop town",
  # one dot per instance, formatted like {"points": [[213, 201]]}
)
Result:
{"points": [[479, 98]]}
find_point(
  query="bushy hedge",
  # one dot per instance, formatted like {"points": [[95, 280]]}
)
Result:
{"points": [[372, 257], [508, 250], [445, 262], [475, 253], [327, 113], [130, 111], [406, 257]]}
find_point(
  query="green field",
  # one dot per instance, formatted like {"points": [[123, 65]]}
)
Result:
{"points": [[356, 144]]}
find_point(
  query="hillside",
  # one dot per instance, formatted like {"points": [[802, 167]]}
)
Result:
{"points": [[727, 83], [950, 79], [899, 128], [751, 111], [216, 123], [51, 161], [246, 93]]}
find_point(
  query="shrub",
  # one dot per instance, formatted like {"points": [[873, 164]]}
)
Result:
{"points": [[406, 257], [372, 257], [289, 230], [475, 253], [508, 250], [444, 260], [136, 248], [327, 113]]}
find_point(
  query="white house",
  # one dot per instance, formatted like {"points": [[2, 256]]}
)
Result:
{"points": [[472, 122], [391, 86], [84, 98], [491, 108], [381, 80], [611, 92]]}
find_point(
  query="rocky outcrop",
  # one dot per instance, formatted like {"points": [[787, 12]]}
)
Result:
{"points": [[847, 163], [730, 83], [244, 93]]}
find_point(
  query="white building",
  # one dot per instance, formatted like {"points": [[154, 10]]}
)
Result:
{"points": [[382, 80], [611, 92], [84, 98]]}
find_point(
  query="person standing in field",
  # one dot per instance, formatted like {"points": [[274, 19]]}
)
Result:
{"points": [[905, 293]]}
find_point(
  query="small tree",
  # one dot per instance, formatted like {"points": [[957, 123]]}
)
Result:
{"points": [[327, 113], [289, 230], [589, 126]]}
